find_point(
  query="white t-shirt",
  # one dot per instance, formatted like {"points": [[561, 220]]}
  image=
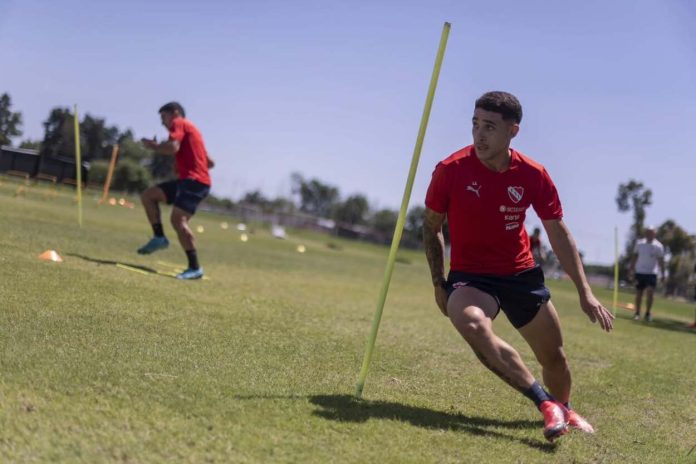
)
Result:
{"points": [[648, 256]]}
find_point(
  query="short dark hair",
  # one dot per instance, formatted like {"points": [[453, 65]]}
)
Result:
{"points": [[171, 107], [501, 102]]}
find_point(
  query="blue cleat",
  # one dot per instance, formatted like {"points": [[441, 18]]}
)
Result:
{"points": [[155, 243], [190, 274]]}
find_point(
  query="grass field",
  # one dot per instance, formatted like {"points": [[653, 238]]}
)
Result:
{"points": [[258, 363]]}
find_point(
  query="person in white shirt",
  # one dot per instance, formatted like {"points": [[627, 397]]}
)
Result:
{"points": [[647, 255]]}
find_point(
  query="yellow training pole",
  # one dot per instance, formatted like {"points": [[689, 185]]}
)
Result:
{"points": [[402, 213], [112, 165], [78, 168], [616, 269]]}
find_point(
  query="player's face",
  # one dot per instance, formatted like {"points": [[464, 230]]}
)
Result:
{"points": [[167, 119], [492, 134], [650, 234]]}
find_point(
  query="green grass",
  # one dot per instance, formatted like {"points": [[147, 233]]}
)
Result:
{"points": [[258, 363]]}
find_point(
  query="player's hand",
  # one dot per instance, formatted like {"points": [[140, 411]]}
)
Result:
{"points": [[211, 163], [596, 312], [631, 275], [149, 143], [441, 299]]}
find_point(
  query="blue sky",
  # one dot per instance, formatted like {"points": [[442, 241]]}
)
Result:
{"points": [[335, 90]]}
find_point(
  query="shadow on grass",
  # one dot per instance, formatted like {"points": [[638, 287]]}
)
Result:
{"points": [[128, 266], [660, 323], [346, 408]]}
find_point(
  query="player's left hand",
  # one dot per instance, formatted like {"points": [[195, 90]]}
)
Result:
{"points": [[211, 163], [596, 312], [149, 143]]}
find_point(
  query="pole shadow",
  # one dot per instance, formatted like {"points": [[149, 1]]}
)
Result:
{"points": [[130, 266]]}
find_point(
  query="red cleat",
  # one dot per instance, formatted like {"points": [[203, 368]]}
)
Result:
{"points": [[575, 420], [555, 423]]}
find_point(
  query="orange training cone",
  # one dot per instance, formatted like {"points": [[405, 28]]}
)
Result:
{"points": [[51, 255]]}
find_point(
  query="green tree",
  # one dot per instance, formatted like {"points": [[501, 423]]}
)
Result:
{"points": [[130, 176], [98, 137], [680, 246], [414, 223], [59, 134], [315, 197], [10, 121], [353, 210], [633, 196], [383, 222], [31, 144]]}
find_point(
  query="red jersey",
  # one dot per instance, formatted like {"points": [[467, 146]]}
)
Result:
{"points": [[192, 157], [486, 210]]}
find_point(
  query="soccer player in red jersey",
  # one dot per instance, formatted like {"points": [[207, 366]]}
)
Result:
{"points": [[484, 191], [192, 186]]}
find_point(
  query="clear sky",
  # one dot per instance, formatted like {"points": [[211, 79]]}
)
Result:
{"points": [[335, 89]]}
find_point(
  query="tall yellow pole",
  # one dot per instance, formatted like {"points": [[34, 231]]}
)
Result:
{"points": [[402, 213], [78, 168], [109, 175], [616, 269]]}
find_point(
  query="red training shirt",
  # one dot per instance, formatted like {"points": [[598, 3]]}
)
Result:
{"points": [[486, 210], [192, 157]]}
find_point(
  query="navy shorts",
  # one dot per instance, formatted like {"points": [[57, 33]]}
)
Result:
{"points": [[646, 280], [186, 194], [520, 296]]}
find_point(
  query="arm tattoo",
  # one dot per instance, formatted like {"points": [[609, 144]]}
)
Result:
{"points": [[434, 244]]}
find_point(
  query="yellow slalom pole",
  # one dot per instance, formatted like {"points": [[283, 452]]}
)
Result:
{"points": [[402, 213], [78, 168], [616, 269], [109, 175]]}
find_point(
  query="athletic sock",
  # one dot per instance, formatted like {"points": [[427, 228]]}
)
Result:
{"points": [[157, 229], [537, 394], [192, 259]]}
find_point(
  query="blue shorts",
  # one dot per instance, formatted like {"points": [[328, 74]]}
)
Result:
{"points": [[520, 296], [646, 280], [186, 194]]}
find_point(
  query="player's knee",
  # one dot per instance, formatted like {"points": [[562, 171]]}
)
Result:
{"points": [[554, 359], [471, 326]]}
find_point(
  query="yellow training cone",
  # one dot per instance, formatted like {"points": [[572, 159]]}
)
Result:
{"points": [[51, 255], [243, 237], [301, 248], [200, 229], [224, 225]]}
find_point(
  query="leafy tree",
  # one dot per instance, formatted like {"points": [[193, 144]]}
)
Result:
{"points": [[681, 247], [315, 196], [414, 223], [634, 196], [353, 210], [31, 144], [10, 121], [98, 137], [131, 176], [59, 134], [384, 222]]}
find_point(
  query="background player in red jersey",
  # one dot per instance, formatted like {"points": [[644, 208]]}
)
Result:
{"points": [[484, 191], [185, 193]]}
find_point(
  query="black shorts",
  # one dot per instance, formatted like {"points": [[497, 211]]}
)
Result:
{"points": [[520, 296], [186, 194], [646, 280]]}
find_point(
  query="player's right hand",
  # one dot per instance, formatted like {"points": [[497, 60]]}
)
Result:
{"points": [[441, 299]]}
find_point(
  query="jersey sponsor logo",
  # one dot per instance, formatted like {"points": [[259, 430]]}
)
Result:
{"points": [[515, 193], [474, 187], [512, 225], [511, 209], [512, 217]]}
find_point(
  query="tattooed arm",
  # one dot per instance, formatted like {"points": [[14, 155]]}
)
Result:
{"points": [[434, 244]]}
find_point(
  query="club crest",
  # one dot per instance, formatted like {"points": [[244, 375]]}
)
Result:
{"points": [[515, 193]]}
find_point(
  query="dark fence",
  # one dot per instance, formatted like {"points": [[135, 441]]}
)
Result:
{"points": [[29, 163]]}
